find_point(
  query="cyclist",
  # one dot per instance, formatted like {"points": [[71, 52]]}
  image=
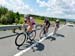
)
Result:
{"points": [[33, 22], [30, 23], [46, 24], [57, 23]]}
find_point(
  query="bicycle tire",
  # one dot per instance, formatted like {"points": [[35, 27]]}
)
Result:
{"points": [[33, 33], [41, 34], [18, 36]]}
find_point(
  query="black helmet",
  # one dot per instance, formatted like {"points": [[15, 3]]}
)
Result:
{"points": [[27, 16], [46, 19]]}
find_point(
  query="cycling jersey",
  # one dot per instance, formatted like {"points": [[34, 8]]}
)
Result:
{"points": [[47, 23], [57, 24], [32, 20]]}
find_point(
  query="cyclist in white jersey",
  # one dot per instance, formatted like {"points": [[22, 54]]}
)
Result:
{"points": [[57, 23]]}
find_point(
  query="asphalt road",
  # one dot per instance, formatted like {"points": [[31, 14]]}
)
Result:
{"points": [[61, 44]]}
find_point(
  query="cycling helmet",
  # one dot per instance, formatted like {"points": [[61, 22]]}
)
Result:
{"points": [[26, 17], [31, 17], [57, 20], [46, 19]]}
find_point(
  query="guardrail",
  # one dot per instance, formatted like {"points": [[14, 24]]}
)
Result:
{"points": [[11, 27]]}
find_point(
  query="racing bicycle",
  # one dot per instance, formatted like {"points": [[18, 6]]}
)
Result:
{"points": [[22, 38], [43, 31]]}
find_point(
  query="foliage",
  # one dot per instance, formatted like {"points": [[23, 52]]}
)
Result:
{"points": [[21, 21], [4, 19], [3, 11], [10, 17]]}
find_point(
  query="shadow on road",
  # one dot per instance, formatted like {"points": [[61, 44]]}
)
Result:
{"points": [[59, 35], [7, 36], [71, 25], [51, 38], [25, 45], [37, 47]]}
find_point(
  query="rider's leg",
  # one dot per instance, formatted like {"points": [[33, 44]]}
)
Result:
{"points": [[55, 30], [44, 30], [29, 31], [47, 30], [34, 27]]}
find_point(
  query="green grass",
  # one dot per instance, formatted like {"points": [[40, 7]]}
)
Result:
{"points": [[38, 21]]}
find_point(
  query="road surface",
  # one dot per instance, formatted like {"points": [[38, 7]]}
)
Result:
{"points": [[61, 44]]}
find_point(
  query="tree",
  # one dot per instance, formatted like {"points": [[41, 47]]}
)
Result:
{"points": [[21, 21], [18, 15], [11, 16], [3, 11]]}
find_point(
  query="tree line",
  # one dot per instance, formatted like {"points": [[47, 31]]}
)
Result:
{"points": [[10, 17], [50, 18]]}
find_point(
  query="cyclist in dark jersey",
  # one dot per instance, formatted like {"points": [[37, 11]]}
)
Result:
{"points": [[46, 24]]}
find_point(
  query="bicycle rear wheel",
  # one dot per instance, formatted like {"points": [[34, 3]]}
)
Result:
{"points": [[41, 34], [20, 39]]}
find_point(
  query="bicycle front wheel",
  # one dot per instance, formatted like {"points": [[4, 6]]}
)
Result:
{"points": [[20, 39], [33, 35]]}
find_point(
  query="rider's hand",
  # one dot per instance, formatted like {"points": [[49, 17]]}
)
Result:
{"points": [[25, 21], [22, 25]]}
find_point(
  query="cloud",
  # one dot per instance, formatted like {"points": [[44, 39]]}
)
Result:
{"points": [[51, 8], [41, 3], [16, 5], [59, 8]]}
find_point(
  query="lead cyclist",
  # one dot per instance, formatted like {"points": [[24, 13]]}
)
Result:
{"points": [[29, 21]]}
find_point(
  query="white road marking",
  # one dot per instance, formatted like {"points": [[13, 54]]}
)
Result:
{"points": [[25, 50]]}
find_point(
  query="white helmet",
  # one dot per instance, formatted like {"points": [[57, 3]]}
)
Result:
{"points": [[31, 17], [57, 20]]}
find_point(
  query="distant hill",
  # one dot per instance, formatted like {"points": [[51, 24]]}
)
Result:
{"points": [[71, 20]]}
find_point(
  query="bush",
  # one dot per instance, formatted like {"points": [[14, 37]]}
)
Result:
{"points": [[9, 19], [21, 21], [4, 19], [16, 21]]}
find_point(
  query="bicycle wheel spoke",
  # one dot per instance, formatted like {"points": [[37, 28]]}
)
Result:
{"points": [[33, 35]]}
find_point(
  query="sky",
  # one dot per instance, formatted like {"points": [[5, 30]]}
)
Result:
{"points": [[51, 8]]}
